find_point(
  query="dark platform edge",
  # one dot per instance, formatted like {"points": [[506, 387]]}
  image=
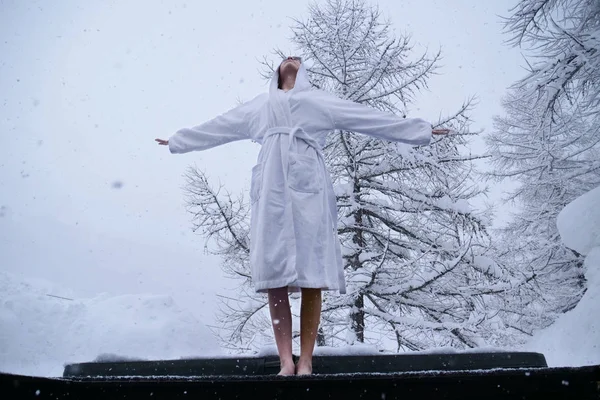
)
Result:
{"points": [[329, 365], [522, 383]]}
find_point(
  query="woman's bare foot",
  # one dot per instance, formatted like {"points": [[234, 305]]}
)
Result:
{"points": [[303, 368], [287, 369]]}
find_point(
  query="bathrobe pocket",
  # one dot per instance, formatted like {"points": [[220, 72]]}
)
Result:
{"points": [[256, 182], [303, 174]]}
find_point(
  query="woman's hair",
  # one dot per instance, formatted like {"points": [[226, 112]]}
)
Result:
{"points": [[279, 77]]}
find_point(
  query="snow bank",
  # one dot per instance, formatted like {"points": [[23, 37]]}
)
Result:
{"points": [[354, 350], [40, 333], [350, 350], [371, 350], [574, 339], [579, 222], [452, 350]]}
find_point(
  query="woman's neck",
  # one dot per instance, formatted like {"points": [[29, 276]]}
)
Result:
{"points": [[288, 83]]}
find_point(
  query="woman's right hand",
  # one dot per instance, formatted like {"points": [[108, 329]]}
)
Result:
{"points": [[162, 142]]}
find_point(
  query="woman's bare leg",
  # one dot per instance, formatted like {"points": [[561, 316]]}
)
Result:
{"points": [[310, 315], [281, 318]]}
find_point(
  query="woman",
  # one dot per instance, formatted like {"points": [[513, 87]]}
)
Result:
{"points": [[293, 236]]}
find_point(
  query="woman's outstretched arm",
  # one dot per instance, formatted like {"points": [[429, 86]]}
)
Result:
{"points": [[233, 125], [351, 116]]}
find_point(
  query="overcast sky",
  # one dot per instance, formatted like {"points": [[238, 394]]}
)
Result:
{"points": [[89, 201]]}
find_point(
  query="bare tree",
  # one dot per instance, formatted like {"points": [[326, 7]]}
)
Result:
{"points": [[414, 250]]}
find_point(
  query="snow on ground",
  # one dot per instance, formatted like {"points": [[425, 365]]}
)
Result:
{"points": [[40, 333], [574, 339], [354, 350]]}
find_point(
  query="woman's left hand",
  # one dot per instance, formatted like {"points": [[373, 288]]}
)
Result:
{"points": [[440, 131]]}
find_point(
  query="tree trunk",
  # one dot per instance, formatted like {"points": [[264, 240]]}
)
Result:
{"points": [[357, 316], [321, 337]]}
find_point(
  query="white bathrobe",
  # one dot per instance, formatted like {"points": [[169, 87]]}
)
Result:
{"points": [[293, 234]]}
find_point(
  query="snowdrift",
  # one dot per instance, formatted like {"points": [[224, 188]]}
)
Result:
{"points": [[41, 333], [579, 222], [574, 339]]}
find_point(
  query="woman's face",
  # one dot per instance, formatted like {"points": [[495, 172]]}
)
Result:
{"points": [[290, 64]]}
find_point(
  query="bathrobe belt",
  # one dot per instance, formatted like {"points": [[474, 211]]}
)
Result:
{"points": [[295, 132]]}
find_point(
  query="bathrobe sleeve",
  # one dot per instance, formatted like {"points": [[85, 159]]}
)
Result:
{"points": [[351, 116], [235, 124]]}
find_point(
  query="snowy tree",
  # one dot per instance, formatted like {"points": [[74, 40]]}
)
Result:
{"points": [[414, 250], [563, 40], [548, 142], [553, 160]]}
